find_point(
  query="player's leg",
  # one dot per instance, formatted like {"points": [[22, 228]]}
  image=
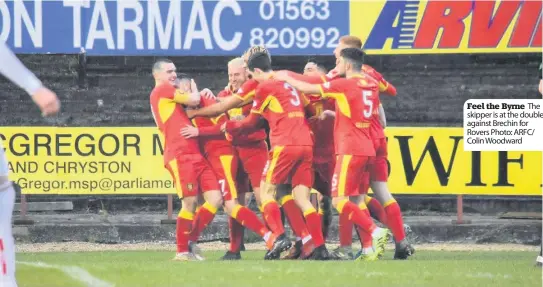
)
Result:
{"points": [[236, 230], [346, 183], [254, 159], [274, 173], [207, 183], [292, 212], [394, 219], [7, 244], [185, 217], [226, 173], [539, 259], [302, 180], [323, 177], [365, 239], [367, 252], [286, 164], [376, 209]]}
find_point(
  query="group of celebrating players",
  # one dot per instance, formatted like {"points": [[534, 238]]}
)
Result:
{"points": [[215, 146]]}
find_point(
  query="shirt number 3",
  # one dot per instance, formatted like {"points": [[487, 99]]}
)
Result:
{"points": [[296, 98]]}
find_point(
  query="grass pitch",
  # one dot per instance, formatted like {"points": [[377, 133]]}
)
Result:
{"points": [[155, 268]]}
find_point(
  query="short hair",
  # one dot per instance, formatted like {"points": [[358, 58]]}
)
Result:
{"points": [[354, 56], [259, 60], [256, 49], [184, 77], [320, 67], [351, 41], [158, 64], [236, 62]]}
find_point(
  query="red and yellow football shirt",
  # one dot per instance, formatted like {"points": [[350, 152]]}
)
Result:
{"points": [[247, 91], [170, 117], [283, 107], [212, 141], [355, 100]]}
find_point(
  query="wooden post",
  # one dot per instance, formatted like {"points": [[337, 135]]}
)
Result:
{"points": [[170, 219], [460, 211], [24, 208], [82, 69], [170, 207]]}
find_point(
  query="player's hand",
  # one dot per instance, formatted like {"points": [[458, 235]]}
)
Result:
{"points": [[190, 113], [189, 132], [327, 114], [333, 73], [280, 75], [208, 94], [223, 127], [193, 86], [47, 101], [237, 118]]}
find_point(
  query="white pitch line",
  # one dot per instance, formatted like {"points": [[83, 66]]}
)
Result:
{"points": [[74, 272]]}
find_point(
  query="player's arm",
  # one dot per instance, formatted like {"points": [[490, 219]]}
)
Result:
{"points": [[191, 99], [301, 86], [193, 131], [387, 88], [216, 109], [247, 125], [310, 110], [214, 130], [252, 122], [382, 116], [303, 78], [12, 68], [15, 71]]}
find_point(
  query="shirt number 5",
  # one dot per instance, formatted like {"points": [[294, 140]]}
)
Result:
{"points": [[368, 103]]}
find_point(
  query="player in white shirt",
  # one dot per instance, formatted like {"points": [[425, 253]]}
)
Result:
{"points": [[47, 101]]}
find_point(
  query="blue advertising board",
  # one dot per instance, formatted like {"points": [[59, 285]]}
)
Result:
{"points": [[173, 28]]}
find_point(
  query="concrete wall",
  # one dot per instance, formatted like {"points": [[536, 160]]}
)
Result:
{"points": [[432, 88]]}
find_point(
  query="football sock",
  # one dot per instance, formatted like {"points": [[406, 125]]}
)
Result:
{"points": [[183, 230], [272, 216], [395, 220], [248, 219], [376, 209], [324, 223], [366, 240], [236, 234], [345, 230], [294, 216], [314, 225], [356, 215], [202, 218]]}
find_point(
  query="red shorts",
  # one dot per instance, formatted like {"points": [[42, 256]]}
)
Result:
{"points": [[365, 185], [348, 175], [226, 168], [253, 159], [191, 173], [289, 164], [379, 167], [324, 171]]}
